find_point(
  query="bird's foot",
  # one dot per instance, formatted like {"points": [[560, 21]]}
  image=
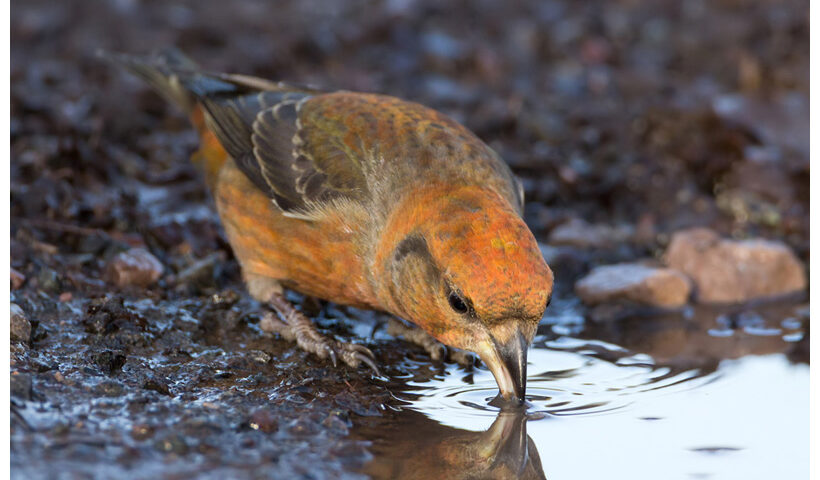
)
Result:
{"points": [[462, 357], [296, 327], [437, 350]]}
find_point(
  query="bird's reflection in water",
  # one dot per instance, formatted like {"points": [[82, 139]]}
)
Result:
{"points": [[415, 447]]}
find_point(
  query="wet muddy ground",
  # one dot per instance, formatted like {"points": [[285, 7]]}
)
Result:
{"points": [[646, 118]]}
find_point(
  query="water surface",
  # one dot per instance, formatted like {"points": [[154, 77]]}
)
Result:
{"points": [[704, 394]]}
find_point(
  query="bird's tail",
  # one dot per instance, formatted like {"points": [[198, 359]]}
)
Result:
{"points": [[180, 81], [168, 71]]}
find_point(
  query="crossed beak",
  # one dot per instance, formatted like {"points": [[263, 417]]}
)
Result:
{"points": [[507, 361]]}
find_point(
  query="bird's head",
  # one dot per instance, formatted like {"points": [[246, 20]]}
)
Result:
{"points": [[462, 265]]}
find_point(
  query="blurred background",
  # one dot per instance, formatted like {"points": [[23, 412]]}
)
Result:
{"points": [[627, 121], [662, 114]]}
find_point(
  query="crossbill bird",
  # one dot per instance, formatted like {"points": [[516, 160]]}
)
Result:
{"points": [[364, 200]]}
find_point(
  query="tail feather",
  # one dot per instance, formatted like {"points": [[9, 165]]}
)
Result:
{"points": [[169, 72], [181, 81]]}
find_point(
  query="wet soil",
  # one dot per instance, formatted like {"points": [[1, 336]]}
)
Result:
{"points": [[648, 116]]}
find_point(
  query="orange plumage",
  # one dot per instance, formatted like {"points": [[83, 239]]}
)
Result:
{"points": [[370, 201]]}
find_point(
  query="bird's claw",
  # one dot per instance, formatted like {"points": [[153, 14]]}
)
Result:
{"points": [[462, 357], [437, 351], [332, 354], [361, 349], [304, 333], [355, 355]]}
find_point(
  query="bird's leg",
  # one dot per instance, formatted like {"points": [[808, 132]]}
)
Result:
{"points": [[437, 350], [433, 347], [294, 326]]}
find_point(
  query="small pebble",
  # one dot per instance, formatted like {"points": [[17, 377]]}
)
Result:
{"points": [[135, 267], [20, 326], [141, 431], [578, 233], [173, 444], [48, 280], [157, 386], [20, 386], [17, 279], [109, 362], [110, 389], [263, 421]]}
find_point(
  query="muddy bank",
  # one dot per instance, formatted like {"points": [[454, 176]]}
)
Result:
{"points": [[637, 120], [176, 388]]}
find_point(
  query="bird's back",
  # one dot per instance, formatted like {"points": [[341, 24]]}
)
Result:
{"points": [[392, 145], [306, 148]]}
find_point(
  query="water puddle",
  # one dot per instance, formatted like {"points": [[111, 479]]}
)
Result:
{"points": [[730, 404]]}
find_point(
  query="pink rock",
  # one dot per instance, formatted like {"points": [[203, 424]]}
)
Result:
{"points": [[135, 267], [735, 271]]}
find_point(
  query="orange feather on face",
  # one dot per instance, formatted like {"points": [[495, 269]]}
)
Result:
{"points": [[484, 251], [371, 201]]}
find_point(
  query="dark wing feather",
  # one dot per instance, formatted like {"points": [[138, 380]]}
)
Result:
{"points": [[232, 119], [259, 130]]}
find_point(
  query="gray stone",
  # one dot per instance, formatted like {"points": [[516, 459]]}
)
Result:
{"points": [[659, 287], [578, 233]]}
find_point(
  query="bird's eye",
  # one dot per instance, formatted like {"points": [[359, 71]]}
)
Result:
{"points": [[457, 303]]}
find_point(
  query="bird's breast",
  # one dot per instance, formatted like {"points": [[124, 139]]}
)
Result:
{"points": [[324, 258]]}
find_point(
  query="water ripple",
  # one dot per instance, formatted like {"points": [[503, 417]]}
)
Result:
{"points": [[563, 381]]}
